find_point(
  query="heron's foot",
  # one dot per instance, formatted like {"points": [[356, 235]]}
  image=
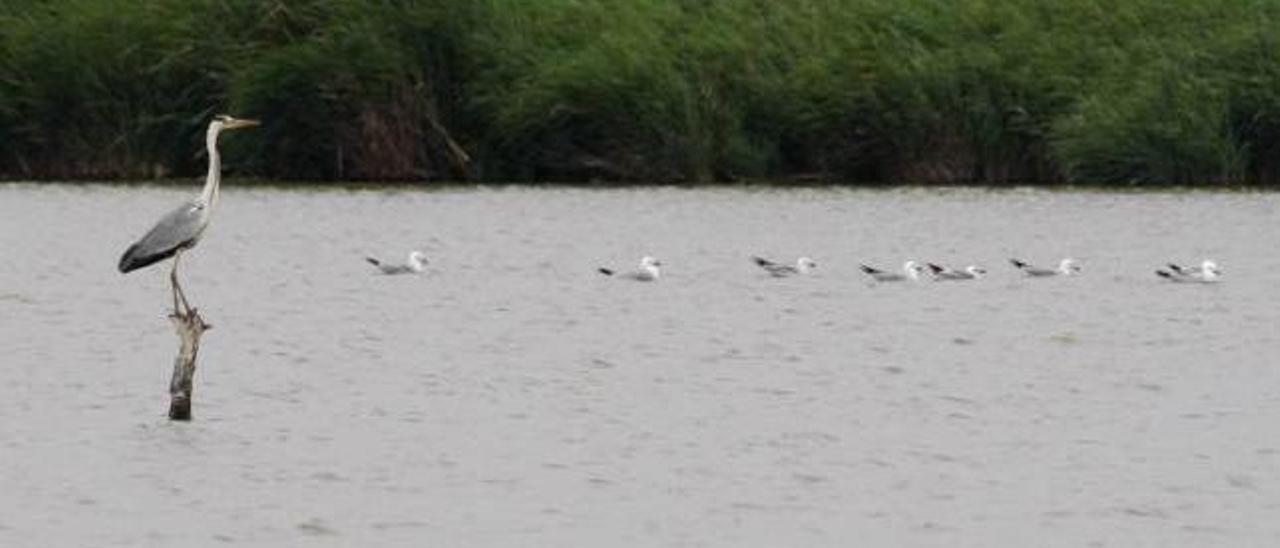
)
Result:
{"points": [[190, 318]]}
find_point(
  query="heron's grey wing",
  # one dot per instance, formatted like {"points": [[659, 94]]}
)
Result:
{"points": [[178, 229]]}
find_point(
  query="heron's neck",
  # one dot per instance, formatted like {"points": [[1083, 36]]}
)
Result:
{"points": [[210, 193]]}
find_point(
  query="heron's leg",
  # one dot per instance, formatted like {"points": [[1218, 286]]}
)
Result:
{"points": [[173, 284], [177, 288]]}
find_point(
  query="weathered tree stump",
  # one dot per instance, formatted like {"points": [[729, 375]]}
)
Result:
{"points": [[190, 327]]}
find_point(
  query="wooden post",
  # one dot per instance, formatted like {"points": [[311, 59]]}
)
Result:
{"points": [[190, 326]]}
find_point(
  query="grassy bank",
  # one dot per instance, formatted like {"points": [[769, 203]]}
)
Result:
{"points": [[925, 91]]}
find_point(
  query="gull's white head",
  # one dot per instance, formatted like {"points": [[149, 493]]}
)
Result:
{"points": [[1210, 270], [650, 265], [912, 269], [805, 265], [417, 260], [977, 271], [1069, 266]]}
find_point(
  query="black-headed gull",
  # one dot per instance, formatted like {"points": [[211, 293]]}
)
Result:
{"points": [[942, 273], [416, 263], [804, 265], [1207, 273], [910, 271], [648, 271], [1066, 267]]}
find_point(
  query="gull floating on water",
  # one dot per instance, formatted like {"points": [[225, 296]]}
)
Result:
{"points": [[415, 264], [648, 271], [910, 271], [804, 265], [1207, 273], [942, 273], [1066, 267]]}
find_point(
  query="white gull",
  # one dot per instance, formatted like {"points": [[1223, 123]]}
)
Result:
{"points": [[1066, 267], [648, 271], [910, 271], [942, 273], [415, 264], [1207, 273], [804, 265]]}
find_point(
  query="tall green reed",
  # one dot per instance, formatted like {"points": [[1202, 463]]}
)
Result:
{"points": [[921, 91]]}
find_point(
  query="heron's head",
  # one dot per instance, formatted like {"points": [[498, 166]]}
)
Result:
{"points": [[227, 122]]}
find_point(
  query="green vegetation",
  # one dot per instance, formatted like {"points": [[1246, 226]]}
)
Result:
{"points": [[921, 91]]}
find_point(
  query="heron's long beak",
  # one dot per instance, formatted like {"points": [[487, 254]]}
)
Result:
{"points": [[237, 123]]}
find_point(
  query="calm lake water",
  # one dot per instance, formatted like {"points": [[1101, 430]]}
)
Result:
{"points": [[513, 397]]}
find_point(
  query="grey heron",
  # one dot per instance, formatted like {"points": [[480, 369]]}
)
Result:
{"points": [[415, 264], [648, 271], [804, 265], [181, 228], [910, 271], [1066, 267]]}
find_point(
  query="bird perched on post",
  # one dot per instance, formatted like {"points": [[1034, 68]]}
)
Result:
{"points": [[182, 228]]}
